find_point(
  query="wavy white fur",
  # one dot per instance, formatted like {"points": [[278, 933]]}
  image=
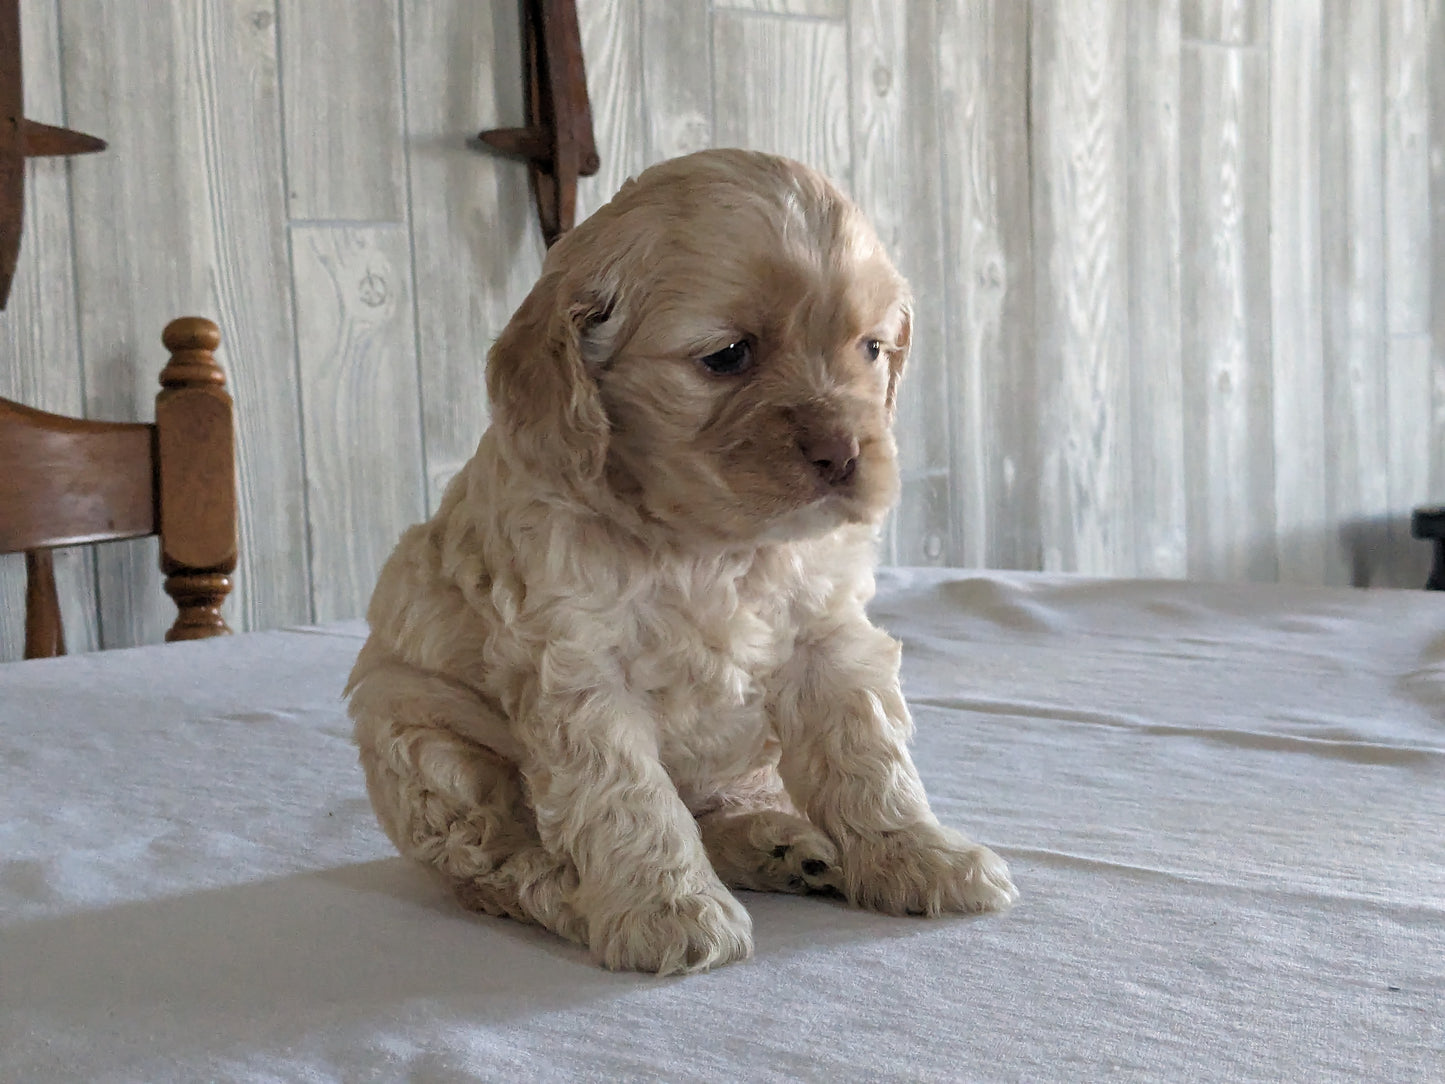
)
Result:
{"points": [[627, 664]]}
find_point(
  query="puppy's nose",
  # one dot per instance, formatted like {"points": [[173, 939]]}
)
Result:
{"points": [[834, 456]]}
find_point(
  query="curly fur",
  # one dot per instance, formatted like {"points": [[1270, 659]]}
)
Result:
{"points": [[627, 665]]}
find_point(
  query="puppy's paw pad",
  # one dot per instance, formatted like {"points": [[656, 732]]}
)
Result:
{"points": [[807, 863], [692, 933], [769, 850]]}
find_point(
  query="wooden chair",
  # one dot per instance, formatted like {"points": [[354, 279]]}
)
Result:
{"points": [[67, 481]]}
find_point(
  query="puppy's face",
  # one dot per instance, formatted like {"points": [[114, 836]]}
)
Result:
{"points": [[741, 332]]}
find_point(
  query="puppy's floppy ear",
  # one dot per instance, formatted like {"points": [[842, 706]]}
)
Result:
{"points": [[543, 392], [896, 358]]}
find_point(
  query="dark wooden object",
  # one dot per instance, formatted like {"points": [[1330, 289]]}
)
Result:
{"points": [[21, 139], [557, 144], [1429, 524], [67, 481]]}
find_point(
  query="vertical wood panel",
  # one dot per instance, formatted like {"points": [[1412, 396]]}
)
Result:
{"points": [[1156, 373], [183, 214], [1227, 22], [1408, 242], [781, 85], [993, 393], [1297, 351], [239, 144], [355, 342], [1405, 561], [341, 70], [1081, 236], [141, 233], [895, 101], [676, 76], [1226, 340], [475, 241], [1408, 238], [1352, 225], [611, 43], [1434, 435], [834, 9], [39, 343]]}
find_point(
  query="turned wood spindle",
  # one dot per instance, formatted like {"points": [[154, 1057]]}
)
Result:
{"points": [[44, 629], [195, 452]]}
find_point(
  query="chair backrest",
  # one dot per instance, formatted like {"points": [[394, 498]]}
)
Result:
{"points": [[67, 481]]}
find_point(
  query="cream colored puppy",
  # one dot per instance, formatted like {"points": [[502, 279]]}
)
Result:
{"points": [[627, 665]]}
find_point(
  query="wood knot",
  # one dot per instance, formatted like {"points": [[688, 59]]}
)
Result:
{"points": [[372, 289]]}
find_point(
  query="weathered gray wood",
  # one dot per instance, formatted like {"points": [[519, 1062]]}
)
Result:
{"points": [[828, 9], [239, 141], [39, 343], [142, 249], [988, 285], [1408, 244], [1406, 90], [1434, 436], [793, 99], [341, 73], [1352, 227], [1157, 406], [475, 242], [1413, 407], [361, 417], [1229, 441], [1297, 368], [183, 214], [676, 49], [1228, 22], [894, 59], [1080, 205], [1179, 307], [611, 42], [140, 187]]}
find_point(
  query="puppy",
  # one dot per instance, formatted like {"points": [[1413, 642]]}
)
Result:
{"points": [[626, 665]]}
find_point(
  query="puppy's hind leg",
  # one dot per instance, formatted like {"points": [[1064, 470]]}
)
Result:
{"points": [[453, 804]]}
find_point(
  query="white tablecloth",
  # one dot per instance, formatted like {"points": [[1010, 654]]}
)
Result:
{"points": [[1224, 806]]}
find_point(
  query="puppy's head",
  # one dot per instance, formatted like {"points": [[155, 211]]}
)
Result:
{"points": [[719, 347]]}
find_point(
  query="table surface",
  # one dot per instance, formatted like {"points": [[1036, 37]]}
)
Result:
{"points": [[1223, 806]]}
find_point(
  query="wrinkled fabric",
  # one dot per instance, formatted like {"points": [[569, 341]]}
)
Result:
{"points": [[1224, 807]]}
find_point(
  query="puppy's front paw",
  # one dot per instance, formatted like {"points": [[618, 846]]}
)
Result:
{"points": [[695, 932], [925, 870]]}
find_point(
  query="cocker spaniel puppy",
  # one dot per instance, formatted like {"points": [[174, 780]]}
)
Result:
{"points": [[626, 665]]}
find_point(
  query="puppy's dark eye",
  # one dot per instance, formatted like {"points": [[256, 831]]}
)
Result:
{"points": [[872, 348], [730, 360]]}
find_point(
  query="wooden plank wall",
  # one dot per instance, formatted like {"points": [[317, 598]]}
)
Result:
{"points": [[1178, 297]]}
